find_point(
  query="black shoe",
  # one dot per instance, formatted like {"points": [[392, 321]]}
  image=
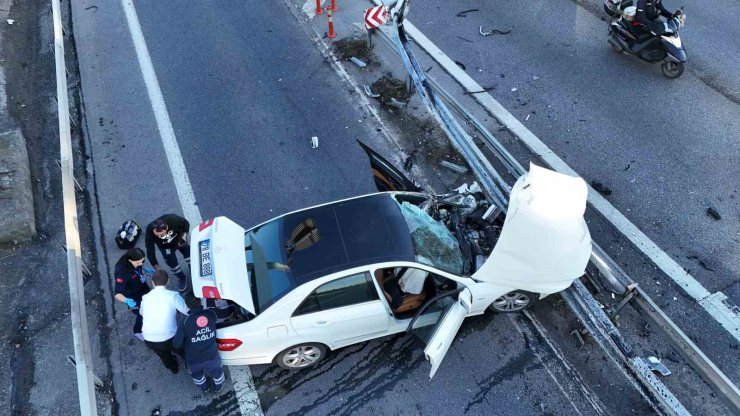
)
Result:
{"points": [[175, 369], [182, 285], [218, 387], [205, 387]]}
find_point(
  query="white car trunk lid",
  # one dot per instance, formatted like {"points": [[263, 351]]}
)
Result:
{"points": [[219, 264]]}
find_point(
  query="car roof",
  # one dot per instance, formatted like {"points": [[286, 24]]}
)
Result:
{"points": [[351, 233]]}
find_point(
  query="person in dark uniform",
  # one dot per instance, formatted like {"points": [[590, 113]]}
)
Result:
{"points": [[169, 233], [197, 336], [649, 13], [131, 284]]}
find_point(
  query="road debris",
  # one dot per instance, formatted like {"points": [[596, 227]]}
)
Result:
{"points": [[492, 31], [601, 188], [485, 89], [10, 21], [629, 165], [460, 64], [658, 366], [357, 61], [579, 337], [712, 212], [453, 167], [514, 90], [527, 117], [369, 92], [314, 142], [410, 160], [390, 89], [397, 104], [465, 12]]}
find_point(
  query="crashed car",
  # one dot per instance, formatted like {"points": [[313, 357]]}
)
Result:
{"points": [[325, 277]]}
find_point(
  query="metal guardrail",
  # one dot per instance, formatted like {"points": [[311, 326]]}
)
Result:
{"points": [[80, 336], [578, 298]]}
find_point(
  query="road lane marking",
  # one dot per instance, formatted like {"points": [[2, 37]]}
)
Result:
{"points": [[241, 377], [715, 304]]}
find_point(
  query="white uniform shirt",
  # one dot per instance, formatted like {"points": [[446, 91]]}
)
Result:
{"points": [[159, 311]]}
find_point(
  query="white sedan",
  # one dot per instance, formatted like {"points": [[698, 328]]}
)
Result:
{"points": [[345, 272]]}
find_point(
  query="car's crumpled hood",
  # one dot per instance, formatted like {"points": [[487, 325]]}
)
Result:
{"points": [[545, 243]]}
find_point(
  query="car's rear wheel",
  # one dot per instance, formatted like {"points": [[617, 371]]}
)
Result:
{"points": [[514, 301], [301, 356]]}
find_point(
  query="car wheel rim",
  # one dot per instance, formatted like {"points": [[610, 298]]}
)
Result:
{"points": [[511, 302], [302, 356]]}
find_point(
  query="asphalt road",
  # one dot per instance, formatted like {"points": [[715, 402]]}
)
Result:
{"points": [[666, 148], [246, 89]]}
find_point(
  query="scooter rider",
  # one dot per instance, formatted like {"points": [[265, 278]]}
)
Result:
{"points": [[169, 233], [649, 12]]}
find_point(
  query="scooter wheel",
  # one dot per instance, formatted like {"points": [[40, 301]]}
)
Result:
{"points": [[672, 69]]}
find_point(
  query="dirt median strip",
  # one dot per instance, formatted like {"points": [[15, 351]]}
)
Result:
{"points": [[17, 220]]}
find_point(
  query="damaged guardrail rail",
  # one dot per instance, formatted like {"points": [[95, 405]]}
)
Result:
{"points": [[586, 308], [80, 336]]}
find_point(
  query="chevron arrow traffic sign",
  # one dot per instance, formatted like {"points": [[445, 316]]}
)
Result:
{"points": [[375, 16]]}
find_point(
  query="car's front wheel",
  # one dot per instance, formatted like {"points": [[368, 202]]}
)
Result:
{"points": [[301, 356], [514, 301]]}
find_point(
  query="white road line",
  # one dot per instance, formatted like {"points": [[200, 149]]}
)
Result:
{"points": [[716, 304], [246, 395]]}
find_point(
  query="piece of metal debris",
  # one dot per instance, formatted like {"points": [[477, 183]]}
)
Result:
{"points": [[370, 92], [357, 61], [465, 12], [712, 212], [453, 167], [492, 31], [578, 336], [10, 21], [527, 117], [655, 365], [396, 103], [314, 142]]}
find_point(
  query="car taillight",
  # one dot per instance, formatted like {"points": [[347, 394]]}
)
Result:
{"points": [[211, 292], [229, 344], [205, 224]]}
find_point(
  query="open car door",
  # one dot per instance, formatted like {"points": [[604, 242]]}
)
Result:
{"points": [[437, 322], [386, 176]]}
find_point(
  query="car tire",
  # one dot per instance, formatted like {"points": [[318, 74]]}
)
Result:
{"points": [[514, 301], [301, 356]]}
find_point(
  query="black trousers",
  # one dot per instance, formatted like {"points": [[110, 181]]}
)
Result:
{"points": [[164, 351], [139, 321]]}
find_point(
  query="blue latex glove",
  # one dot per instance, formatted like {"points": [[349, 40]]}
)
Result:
{"points": [[148, 270], [130, 303]]}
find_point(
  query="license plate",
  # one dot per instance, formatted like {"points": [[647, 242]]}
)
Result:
{"points": [[206, 266]]}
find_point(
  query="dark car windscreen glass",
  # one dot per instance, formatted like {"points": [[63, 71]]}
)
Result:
{"points": [[434, 244], [266, 262]]}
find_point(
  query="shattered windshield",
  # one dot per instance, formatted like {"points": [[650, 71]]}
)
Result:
{"points": [[434, 244]]}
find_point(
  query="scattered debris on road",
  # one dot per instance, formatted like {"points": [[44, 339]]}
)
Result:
{"points": [[390, 89], [369, 92], [601, 188], [358, 62], [485, 89], [314, 142], [658, 366], [453, 167], [348, 48], [494, 31], [10, 21], [465, 12], [712, 212]]}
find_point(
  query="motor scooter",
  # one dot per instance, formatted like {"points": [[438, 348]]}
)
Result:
{"points": [[631, 37]]}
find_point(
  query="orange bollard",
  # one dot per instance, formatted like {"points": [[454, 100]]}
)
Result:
{"points": [[331, 34], [334, 5], [319, 10]]}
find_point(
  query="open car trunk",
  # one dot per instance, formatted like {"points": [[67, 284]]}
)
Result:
{"points": [[219, 267]]}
